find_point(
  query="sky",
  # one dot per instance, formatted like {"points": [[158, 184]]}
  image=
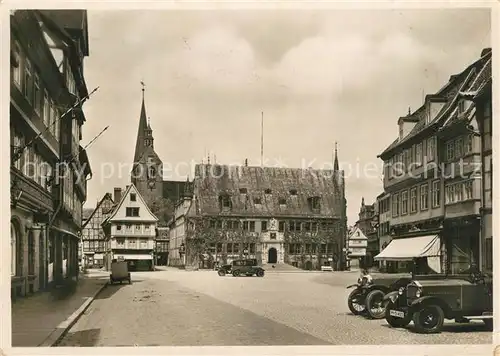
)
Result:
{"points": [[319, 77]]}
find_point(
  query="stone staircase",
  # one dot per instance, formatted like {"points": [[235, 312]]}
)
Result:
{"points": [[280, 267]]}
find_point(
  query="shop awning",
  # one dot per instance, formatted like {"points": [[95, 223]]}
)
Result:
{"points": [[134, 257], [405, 249]]}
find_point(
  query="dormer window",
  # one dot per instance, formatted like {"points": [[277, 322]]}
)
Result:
{"points": [[314, 203], [268, 192], [293, 192], [243, 190], [225, 202], [462, 106]]}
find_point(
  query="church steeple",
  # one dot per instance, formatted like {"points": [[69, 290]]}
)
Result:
{"points": [[336, 160], [144, 132]]}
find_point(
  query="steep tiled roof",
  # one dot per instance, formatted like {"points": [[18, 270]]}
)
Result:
{"points": [[228, 180], [479, 81], [71, 21], [450, 92], [91, 211]]}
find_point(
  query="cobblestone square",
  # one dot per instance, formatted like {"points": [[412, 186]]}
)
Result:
{"points": [[179, 308]]}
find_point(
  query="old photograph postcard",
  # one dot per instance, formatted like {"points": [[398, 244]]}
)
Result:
{"points": [[249, 176]]}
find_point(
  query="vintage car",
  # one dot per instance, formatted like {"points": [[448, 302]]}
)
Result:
{"points": [[430, 300], [368, 296], [119, 272], [248, 267]]}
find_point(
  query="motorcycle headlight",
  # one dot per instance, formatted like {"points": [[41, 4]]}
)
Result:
{"points": [[401, 290]]}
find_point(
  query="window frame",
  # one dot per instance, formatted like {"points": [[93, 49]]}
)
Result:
{"points": [[28, 80], [436, 193], [424, 198], [17, 71], [404, 202], [413, 198]]}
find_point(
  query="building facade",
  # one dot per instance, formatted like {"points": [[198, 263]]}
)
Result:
{"points": [[93, 239], [276, 215], [161, 246], [367, 223], [483, 104], [433, 170], [130, 231], [49, 168], [357, 244], [384, 228]]}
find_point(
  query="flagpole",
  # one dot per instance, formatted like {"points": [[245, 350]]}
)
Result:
{"points": [[262, 139]]}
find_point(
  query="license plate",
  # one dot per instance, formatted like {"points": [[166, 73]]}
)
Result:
{"points": [[397, 313]]}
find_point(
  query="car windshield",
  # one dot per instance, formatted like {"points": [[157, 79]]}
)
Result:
{"points": [[245, 263]]}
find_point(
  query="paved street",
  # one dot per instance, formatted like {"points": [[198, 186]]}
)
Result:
{"points": [[179, 308]]}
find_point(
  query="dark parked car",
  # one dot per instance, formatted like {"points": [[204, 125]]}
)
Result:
{"points": [[428, 301], [248, 267], [368, 297]]}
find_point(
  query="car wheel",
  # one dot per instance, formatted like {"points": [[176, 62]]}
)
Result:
{"points": [[355, 307], [375, 304], [488, 323], [392, 320], [429, 319], [260, 273], [236, 273]]}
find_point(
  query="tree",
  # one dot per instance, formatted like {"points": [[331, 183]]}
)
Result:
{"points": [[163, 209], [321, 232]]}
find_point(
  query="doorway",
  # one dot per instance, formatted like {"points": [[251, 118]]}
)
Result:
{"points": [[272, 255]]}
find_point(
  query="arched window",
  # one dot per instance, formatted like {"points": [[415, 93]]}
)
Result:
{"points": [[152, 172], [15, 240]]}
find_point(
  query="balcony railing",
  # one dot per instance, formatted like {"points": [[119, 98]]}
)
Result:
{"points": [[128, 245], [134, 232]]}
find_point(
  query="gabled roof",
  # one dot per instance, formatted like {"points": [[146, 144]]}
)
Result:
{"points": [[130, 188], [71, 20], [354, 234], [227, 181], [450, 92], [479, 81], [93, 211]]}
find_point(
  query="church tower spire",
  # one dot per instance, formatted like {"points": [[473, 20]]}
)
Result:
{"points": [[336, 160], [144, 132]]}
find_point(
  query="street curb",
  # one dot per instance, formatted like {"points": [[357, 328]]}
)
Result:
{"points": [[58, 333]]}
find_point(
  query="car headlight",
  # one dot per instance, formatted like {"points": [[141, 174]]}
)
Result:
{"points": [[418, 293], [401, 290]]}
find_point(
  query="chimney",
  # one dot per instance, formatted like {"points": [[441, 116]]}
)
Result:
{"points": [[118, 195], [246, 162]]}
